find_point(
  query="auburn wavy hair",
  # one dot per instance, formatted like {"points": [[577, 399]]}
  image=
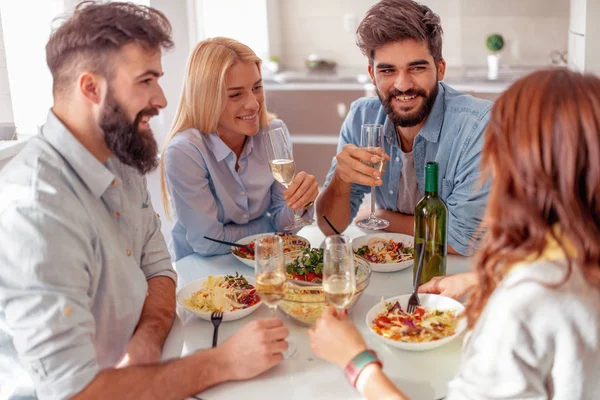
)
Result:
{"points": [[542, 153]]}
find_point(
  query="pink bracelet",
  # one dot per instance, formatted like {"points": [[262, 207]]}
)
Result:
{"points": [[358, 364]]}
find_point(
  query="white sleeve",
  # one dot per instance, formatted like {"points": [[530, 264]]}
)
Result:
{"points": [[502, 359]]}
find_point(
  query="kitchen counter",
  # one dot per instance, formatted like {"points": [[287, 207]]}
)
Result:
{"points": [[472, 80], [9, 148]]}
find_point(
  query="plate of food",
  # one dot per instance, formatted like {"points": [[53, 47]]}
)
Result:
{"points": [[435, 322], [234, 295], [386, 252], [291, 244]]}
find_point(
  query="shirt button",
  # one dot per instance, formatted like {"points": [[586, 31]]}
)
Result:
{"points": [[391, 192], [117, 214], [243, 193], [128, 252], [397, 159], [245, 215], [115, 183]]}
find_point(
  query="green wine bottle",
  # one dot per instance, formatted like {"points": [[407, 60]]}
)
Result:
{"points": [[431, 229]]}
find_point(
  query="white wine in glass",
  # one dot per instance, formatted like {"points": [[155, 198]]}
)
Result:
{"points": [[371, 139], [283, 171], [270, 275], [283, 168], [339, 279]]}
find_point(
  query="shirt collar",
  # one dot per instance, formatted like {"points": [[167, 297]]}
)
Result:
{"points": [[220, 149], [92, 172], [433, 125]]}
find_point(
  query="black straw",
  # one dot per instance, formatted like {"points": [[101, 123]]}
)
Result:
{"points": [[331, 226]]}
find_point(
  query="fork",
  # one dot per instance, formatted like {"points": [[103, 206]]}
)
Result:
{"points": [[413, 301], [243, 246], [216, 318]]}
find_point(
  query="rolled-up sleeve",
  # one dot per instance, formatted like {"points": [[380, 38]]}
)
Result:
{"points": [[156, 260], [357, 192], [44, 296], [197, 208], [468, 197]]}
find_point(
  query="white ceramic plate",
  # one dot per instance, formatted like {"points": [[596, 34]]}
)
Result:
{"points": [[190, 288], [428, 301], [387, 267], [250, 239]]}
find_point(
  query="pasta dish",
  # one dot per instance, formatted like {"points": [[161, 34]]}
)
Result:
{"points": [[382, 251], [291, 243], [223, 293], [421, 326]]}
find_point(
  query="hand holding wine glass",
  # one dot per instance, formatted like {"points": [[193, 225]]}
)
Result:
{"points": [[372, 140], [339, 281], [283, 169]]}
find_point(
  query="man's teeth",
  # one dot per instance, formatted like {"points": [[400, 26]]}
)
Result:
{"points": [[406, 98], [248, 117]]}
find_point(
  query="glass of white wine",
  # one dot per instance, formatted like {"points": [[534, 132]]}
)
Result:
{"points": [[339, 280], [270, 275], [371, 139], [283, 168]]}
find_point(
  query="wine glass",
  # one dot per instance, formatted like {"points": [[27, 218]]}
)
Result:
{"points": [[270, 275], [283, 168], [339, 281], [371, 139]]}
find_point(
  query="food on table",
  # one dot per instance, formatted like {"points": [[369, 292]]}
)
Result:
{"points": [[308, 266], [305, 302], [223, 293], [291, 243], [384, 251], [424, 325]]}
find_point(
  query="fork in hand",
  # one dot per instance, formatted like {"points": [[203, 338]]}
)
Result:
{"points": [[216, 318], [413, 301]]}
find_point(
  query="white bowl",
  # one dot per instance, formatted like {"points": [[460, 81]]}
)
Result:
{"points": [[428, 301], [250, 239], [397, 237], [188, 290]]}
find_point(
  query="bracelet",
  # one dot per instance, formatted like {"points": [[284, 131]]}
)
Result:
{"points": [[358, 363]]}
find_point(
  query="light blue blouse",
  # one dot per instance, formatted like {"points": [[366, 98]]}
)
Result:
{"points": [[210, 198]]}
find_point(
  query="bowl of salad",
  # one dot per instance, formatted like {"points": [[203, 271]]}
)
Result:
{"points": [[386, 252], [304, 300], [435, 322]]}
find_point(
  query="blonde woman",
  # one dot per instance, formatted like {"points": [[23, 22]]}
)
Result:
{"points": [[214, 168]]}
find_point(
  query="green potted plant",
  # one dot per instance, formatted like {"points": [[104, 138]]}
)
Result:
{"points": [[494, 43]]}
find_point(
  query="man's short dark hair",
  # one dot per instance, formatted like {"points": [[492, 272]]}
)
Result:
{"points": [[397, 20], [97, 30]]}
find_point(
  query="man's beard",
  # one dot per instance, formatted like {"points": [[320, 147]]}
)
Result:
{"points": [[132, 147], [415, 117]]}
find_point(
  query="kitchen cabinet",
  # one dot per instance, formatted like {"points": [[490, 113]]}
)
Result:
{"points": [[314, 119]]}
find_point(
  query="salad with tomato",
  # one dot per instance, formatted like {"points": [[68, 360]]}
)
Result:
{"points": [[307, 267]]}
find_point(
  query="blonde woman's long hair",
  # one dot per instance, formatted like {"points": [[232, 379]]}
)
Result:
{"points": [[204, 94]]}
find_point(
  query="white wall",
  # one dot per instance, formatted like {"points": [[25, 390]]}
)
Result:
{"points": [[173, 62], [531, 28]]}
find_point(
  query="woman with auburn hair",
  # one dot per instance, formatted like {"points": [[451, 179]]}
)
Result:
{"points": [[214, 166], [534, 311]]}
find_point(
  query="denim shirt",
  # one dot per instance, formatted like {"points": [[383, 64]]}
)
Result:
{"points": [[209, 197], [453, 137]]}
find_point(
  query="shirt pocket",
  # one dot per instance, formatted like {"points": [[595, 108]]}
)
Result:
{"points": [[447, 187]]}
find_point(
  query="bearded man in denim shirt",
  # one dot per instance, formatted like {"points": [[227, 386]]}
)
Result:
{"points": [[423, 120]]}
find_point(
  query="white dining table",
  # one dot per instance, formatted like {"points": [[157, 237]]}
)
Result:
{"points": [[421, 375]]}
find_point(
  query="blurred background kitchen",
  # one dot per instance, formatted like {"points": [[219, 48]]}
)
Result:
{"points": [[312, 67]]}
